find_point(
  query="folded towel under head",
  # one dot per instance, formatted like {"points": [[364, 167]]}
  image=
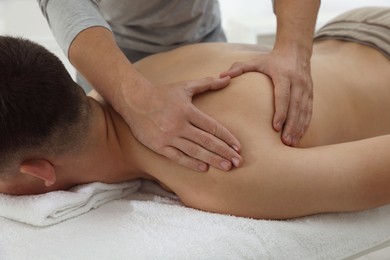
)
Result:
{"points": [[54, 207]]}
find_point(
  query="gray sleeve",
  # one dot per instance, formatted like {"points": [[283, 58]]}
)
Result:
{"points": [[67, 18]]}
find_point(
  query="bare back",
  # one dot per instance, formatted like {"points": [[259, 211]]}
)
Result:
{"points": [[351, 100], [351, 87]]}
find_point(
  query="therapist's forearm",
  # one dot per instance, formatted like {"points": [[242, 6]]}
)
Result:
{"points": [[95, 54], [295, 25]]}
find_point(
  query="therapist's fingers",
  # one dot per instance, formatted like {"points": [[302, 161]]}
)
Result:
{"points": [[309, 114], [303, 121], [214, 137], [290, 130], [282, 101], [239, 68], [189, 152], [299, 116], [305, 117], [196, 151], [305, 85], [181, 158], [205, 84]]}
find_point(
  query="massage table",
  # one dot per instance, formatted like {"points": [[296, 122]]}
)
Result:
{"points": [[139, 220]]}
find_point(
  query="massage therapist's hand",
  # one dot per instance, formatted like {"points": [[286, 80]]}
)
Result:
{"points": [[293, 90], [164, 119], [288, 65]]}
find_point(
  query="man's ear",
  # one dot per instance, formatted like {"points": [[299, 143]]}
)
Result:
{"points": [[39, 168]]}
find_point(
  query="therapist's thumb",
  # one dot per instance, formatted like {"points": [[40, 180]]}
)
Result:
{"points": [[209, 83]]}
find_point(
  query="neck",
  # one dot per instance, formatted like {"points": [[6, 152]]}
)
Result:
{"points": [[108, 157]]}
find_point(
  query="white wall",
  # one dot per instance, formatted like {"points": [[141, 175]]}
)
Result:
{"points": [[24, 18], [243, 20]]}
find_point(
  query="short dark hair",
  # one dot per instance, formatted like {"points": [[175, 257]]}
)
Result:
{"points": [[41, 107]]}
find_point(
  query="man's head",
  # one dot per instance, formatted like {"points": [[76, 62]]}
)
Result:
{"points": [[43, 112]]}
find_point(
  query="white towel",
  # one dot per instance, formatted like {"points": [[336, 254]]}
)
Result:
{"points": [[148, 226], [54, 207]]}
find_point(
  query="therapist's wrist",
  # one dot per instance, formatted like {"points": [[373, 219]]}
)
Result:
{"points": [[301, 51], [130, 93]]}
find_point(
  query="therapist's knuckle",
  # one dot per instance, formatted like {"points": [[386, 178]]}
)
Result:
{"points": [[283, 95], [193, 151], [281, 115], [225, 152], [206, 141], [158, 144], [281, 112], [213, 129], [185, 112], [237, 64], [215, 160], [207, 80], [291, 125], [305, 110], [177, 156], [295, 105], [169, 130]]}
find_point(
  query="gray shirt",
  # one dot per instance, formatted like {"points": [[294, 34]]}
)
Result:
{"points": [[141, 25]]}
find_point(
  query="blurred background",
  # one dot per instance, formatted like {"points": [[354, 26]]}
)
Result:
{"points": [[245, 21]]}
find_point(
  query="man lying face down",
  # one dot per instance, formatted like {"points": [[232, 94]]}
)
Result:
{"points": [[53, 136]]}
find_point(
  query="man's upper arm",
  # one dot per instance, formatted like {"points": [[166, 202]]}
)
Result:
{"points": [[68, 18], [292, 182]]}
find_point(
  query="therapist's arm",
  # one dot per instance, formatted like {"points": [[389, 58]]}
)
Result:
{"points": [[165, 121], [288, 64]]}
